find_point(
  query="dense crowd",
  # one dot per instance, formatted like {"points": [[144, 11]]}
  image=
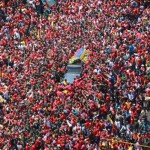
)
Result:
{"points": [[38, 111]]}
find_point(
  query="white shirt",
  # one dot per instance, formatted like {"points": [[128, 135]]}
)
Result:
{"points": [[117, 123]]}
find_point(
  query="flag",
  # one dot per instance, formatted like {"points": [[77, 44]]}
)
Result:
{"points": [[79, 55], [85, 58], [52, 24], [110, 120], [39, 34]]}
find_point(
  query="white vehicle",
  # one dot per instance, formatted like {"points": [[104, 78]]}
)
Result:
{"points": [[73, 71]]}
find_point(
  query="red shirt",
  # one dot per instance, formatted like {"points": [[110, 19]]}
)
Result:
{"points": [[131, 120], [27, 148], [33, 147]]}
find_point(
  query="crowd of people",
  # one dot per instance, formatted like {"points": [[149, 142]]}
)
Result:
{"points": [[38, 111]]}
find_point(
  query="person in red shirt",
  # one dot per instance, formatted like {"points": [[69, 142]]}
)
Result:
{"points": [[27, 147]]}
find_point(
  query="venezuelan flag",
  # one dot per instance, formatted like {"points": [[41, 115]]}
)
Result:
{"points": [[79, 55]]}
